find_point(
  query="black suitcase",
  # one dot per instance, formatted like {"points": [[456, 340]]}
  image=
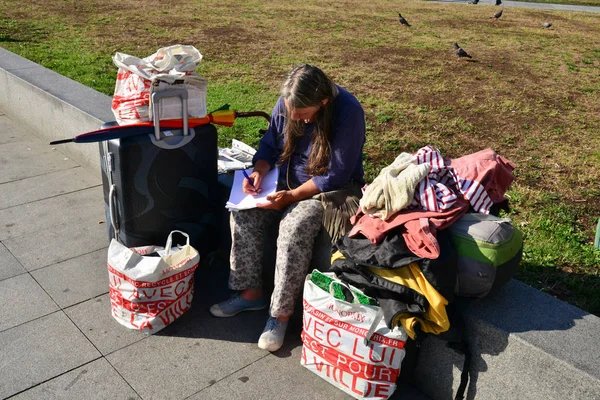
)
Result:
{"points": [[162, 181]]}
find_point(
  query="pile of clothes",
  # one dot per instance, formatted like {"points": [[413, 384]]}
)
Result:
{"points": [[399, 249]]}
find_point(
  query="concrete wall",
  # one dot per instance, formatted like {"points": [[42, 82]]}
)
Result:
{"points": [[526, 344], [51, 105]]}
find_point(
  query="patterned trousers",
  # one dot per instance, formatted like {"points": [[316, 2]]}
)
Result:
{"points": [[299, 225]]}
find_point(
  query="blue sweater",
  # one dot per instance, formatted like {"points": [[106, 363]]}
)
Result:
{"points": [[347, 141]]}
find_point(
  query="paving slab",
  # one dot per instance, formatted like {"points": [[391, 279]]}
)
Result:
{"points": [[40, 350], [8, 131], [26, 158], [94, 319], [273, 377], [9, 265], [188, 355], [21, 300], [70, 209], [75, 280], [47, 185], [280, 375], [63, 242], [96, 380]]}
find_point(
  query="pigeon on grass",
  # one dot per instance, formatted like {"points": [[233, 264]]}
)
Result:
{"points": [[403, 21], [546, 25], [497, 15], [460, 52]]}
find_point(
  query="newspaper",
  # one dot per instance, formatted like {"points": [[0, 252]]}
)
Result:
{"points": [[239, 156]]}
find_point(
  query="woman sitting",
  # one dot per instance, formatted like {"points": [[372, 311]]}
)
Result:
{"points": [[316, 137]]}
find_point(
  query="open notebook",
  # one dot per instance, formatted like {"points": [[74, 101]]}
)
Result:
{"points": [[238, 200]]}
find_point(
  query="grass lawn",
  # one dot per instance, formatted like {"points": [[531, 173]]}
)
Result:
{"points": [[532, 94]]}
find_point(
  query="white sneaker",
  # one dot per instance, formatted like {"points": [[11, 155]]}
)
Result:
{"points": [[236, 305], [273, 335]]}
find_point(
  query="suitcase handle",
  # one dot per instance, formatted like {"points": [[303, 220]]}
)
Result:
{"points": [[176, 92], [112, 193]]}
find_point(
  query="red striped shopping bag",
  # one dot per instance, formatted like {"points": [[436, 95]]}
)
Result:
{"points": [[349, 344], [151, 286]]}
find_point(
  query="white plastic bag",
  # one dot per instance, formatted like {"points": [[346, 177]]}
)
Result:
{"points": [[170, 107], [177, 58], [131, 100], [149, 292], [349, 344]]}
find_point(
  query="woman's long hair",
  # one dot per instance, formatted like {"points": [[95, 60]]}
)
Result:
{"points": [[307, 86]]}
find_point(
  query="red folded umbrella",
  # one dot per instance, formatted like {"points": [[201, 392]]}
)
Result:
{"points": [[219, 117]]}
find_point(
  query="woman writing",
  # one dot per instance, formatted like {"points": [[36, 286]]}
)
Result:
{"points": [[316, 137]]}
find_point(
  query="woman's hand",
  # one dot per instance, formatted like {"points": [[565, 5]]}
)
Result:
{"points": [[252, 185], [278, 200], [261, 168], [283, 198]]}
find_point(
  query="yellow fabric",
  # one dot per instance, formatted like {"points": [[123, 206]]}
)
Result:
{"points": [[337, 256], [435, 319]]}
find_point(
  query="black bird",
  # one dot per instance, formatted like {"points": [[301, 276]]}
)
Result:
{"points": [[498, 2], [546, 24], [402, 20], [497, 15], [460, 52]]}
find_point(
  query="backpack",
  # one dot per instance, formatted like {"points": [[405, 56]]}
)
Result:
{"points": [[489, 252]]}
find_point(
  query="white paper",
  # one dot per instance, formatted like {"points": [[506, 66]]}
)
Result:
{"points": [[238, 200]]}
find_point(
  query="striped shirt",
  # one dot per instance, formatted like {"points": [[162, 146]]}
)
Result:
{"points": [[438, 191]]}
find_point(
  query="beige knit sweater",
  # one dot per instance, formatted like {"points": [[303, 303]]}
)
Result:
{"points": [[394, 187]]}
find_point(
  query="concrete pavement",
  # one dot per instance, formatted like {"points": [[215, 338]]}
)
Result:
{"points": [[57, 337], [526, 4]]}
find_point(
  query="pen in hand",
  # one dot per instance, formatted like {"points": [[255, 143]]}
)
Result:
{"points": [[249, 180]]}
